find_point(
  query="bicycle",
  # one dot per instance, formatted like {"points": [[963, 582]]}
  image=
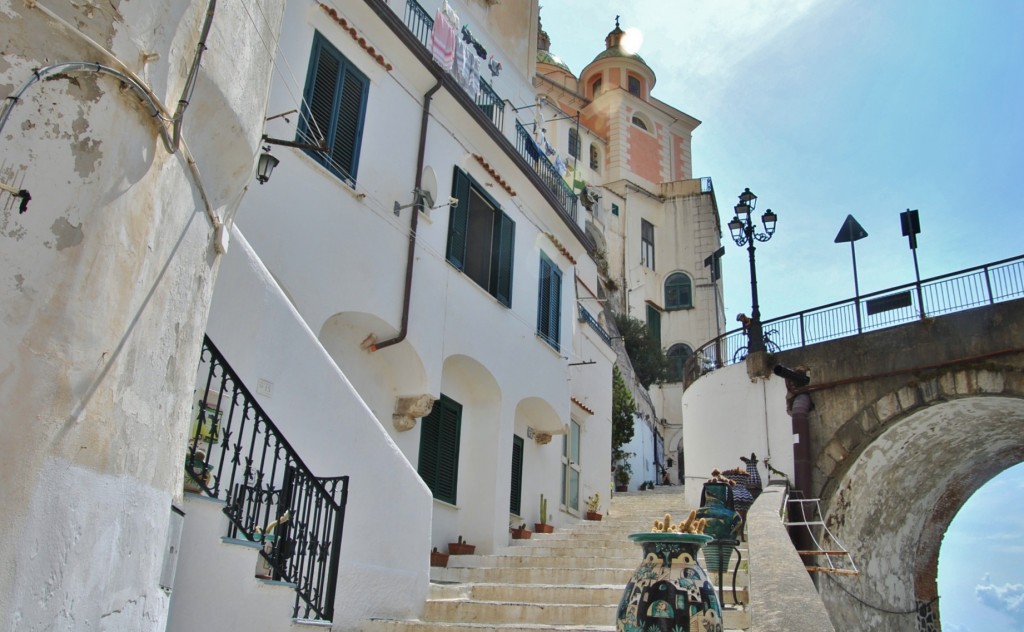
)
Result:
{"points": [[769, 345]]}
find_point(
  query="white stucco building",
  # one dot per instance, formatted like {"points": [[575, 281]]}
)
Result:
{"points": [[128, 134]]}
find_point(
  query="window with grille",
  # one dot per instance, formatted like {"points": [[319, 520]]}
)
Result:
{"points": [[549, 302], [481, 238], [647, 243], [678, 354], [574, 143], [333, 110], [595, 157], [678, 291], [439, 449]]}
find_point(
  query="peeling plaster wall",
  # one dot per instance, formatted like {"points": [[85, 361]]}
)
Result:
{"points": [[105, 288]]}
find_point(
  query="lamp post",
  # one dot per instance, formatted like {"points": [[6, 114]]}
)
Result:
{"points": [[744, 233]]}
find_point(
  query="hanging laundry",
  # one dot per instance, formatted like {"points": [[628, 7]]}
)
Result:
{"points": [[494, 66], [560, 166], [467, 69], [443, 36], [532, 149]]}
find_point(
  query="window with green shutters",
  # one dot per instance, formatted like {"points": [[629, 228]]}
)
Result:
{"points": [[678, 291], [439, 449], [678, 354], [515, 501], [481, 238], [647, 243], [654, 323], [334, 106], [549, 302]]}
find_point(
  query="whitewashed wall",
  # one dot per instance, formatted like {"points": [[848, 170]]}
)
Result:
{"points": [[384, 561], [727, 415], [106, 287]]}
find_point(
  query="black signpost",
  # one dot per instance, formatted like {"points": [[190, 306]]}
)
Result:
{"points": [[851, 231], [911, 224]]}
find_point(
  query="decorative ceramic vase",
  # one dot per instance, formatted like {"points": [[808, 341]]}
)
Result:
{"points": [[670, 591], [723, 523]]}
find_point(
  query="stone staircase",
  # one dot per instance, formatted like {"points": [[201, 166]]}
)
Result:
{"points": [[570, 580]]}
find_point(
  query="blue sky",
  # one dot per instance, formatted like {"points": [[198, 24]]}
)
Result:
{"points": [[831, 108]]}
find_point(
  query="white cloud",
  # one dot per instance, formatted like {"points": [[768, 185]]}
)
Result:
{"points": [[1007, 598]]}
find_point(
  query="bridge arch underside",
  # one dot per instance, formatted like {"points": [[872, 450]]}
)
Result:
{"points": [[896, 499]]}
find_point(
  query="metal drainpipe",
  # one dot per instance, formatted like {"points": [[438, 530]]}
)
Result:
{"points": [[407, 295]]}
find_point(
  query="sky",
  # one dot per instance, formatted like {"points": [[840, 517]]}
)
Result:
{"points": [[829, 108]]}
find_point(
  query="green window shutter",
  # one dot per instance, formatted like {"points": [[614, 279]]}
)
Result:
{"points": [[439, 449], [334, 109], [654, 324], [458, 220], [502, 258], [549, 302], [515, 503], [348, 123]]}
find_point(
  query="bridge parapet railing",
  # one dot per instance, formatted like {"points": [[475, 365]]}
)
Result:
{"points": [[974, 287]]}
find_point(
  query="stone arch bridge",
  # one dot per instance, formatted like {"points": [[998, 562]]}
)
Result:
{"points": [[908, 423]]}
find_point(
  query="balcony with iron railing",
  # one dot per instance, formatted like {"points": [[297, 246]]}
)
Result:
{"points": [[534, 156], [238, 456], [974, 287], [421, 24], [587, 317]]}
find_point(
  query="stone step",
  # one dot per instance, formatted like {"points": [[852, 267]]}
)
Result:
{"points": [[533, 575], [497, 612], [582, 560], [424, 626]]}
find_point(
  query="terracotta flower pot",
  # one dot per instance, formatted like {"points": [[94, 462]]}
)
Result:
{"points": [[461, 548], [521, 534], [438, 559], [544, 528], [593, 515]]}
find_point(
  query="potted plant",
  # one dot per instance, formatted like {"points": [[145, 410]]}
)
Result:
{"points": [[543, 526], [197, 472], [622, 473], [461, 547], [438, 559], [521, 532], [264, 563], [593, 504]]}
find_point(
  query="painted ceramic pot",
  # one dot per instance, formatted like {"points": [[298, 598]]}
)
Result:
{"points": [[670, 591], [716, 507]]}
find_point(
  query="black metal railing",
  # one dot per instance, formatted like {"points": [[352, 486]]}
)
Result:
{"points": [[981, 285], [491, 103], [420, 24], [588, 318], [237, 454], [534, 155]]}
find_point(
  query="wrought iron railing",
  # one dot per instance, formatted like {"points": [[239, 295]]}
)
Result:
{"points": [[981, 285], [588, 318], [534, 155], [421, 24], [237, 454]]}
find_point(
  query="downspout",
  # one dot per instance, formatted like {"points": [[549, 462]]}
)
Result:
{"points": [[407, 295]]}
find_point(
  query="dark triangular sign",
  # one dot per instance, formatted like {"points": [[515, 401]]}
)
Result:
{"points": [[851, 231]]}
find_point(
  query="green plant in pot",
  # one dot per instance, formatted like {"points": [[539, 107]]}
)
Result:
{"points": [[593, 505], [623, 471], [543, 526]]}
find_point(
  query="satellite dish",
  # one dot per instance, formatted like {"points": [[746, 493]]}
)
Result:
{"points": [[428, 187]]}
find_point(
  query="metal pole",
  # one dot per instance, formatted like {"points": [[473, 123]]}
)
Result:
{"points": [[856, 285], [754, 333], [917, 275]]}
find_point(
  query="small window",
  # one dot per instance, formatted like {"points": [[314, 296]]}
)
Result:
{"points": [[334, 107], [647, 244], [440, 433], [678, 291], [654, 323], [678, 354], [595, 157], [615, 210], [639, 122], [634, 86], [481, 238], [595, 88], [549, 302], [574, 143]]}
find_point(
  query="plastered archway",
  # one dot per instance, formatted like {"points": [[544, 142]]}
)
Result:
{"points": [[897, 496]]}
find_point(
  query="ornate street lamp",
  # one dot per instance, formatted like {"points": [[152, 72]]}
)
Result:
{"points": [[744, 233]]}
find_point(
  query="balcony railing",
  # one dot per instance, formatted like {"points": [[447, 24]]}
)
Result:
{"points": [[421, 24], [588, 318], [534, 155], [236, 454], [982, 285]]}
